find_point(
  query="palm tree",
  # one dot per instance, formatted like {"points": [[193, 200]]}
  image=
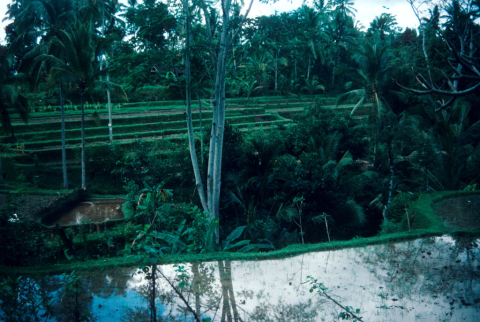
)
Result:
{"points": [[374, 68], [55, 17], [104, 46], [47, 19], [340, 32], [257, 66], [385, 24], [310, 20], [77, 67], [248, 190], [9, 94]]}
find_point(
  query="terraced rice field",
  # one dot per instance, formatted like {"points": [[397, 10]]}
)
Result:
{"points": [[40, 139]]}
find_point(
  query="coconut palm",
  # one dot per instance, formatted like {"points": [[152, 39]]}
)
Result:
{"points": [[77, 68], [373, 72], [46, 19], [339, 32], [382, 25], [9, 94], [54, 17], [248, 190]]}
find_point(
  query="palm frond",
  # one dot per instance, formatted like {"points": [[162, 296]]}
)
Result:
{"points": [[357, 93], [359, 104], [354, 212], [117, 89], [344, 161], [96, 118], [287, 214]]}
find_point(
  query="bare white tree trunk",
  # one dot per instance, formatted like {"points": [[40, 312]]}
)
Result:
{"points": [[276, 72], [216, 149], [201, 128], [110, 130], [64, 152], [219, 52], [84, 187], [109, 102], [191, 139]]}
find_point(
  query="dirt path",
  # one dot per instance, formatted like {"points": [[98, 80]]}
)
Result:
{"points": [[104, 115]]}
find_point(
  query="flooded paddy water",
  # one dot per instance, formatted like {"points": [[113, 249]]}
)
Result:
{"points": [[95, 211], [430, 279]]}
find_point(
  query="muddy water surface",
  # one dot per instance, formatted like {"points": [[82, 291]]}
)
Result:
{"points": [[432, 279], [95, 211], [460, 211]]}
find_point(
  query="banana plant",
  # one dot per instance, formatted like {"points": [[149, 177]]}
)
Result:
{"points": [[229, 243]]}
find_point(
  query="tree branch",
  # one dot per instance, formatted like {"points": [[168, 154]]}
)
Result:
{"points": [[181, 296]]}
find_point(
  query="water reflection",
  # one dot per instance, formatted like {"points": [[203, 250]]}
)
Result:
{"points": [[96, 211], [434, 279]]}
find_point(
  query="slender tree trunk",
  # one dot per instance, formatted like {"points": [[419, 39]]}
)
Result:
{"points": [[390, 184], [228, 271], [110, 125], [295, 69], [110, 131], [276, 72], [109, 105], [153, 309], [64, 152], [226, 313], [308, 69], [201, 128], [326, 227], [83, 142], [217, 149], [333, 72], [234, 59], [219, 53], [197, 279], [191, 139], [1, 170]]}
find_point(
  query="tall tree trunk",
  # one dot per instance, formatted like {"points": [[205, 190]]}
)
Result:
{"points": [[276, 72], [219, 53], [390, 183], [333, 72], [335, 57], [216, 149], [1, 170], [191, 139], [83, 141], [295, 69], [110, 125], [228, 271], [109, 103], [197, 280], [201, 128], [64, 152], [226, 313], [110, 131], [308, 69], [153, 309]]}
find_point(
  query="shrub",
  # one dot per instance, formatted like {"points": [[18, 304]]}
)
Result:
{"points": [[16, 249], [396, 210]]}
